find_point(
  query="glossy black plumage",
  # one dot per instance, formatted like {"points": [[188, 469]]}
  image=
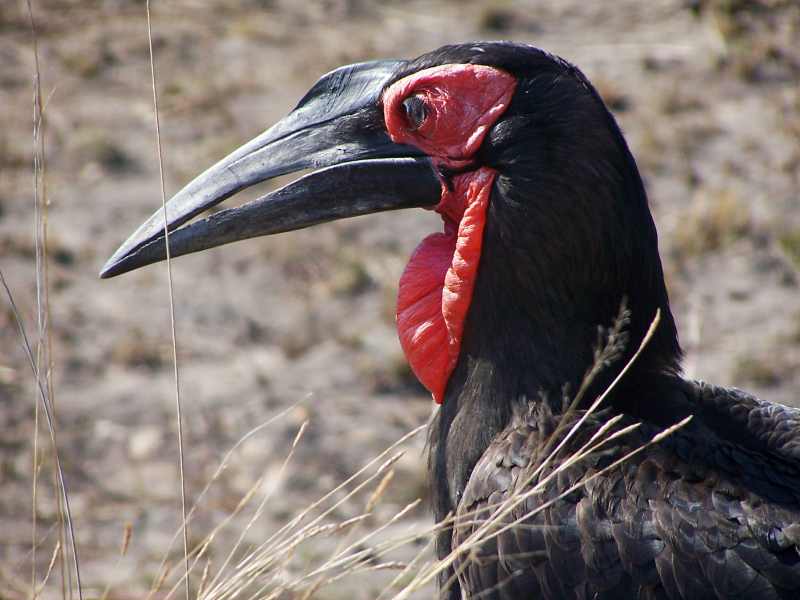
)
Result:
{"points": [[710, 512], [696, 516]]}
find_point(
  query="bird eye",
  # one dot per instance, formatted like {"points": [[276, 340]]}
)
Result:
{"points": [[416, 111]]}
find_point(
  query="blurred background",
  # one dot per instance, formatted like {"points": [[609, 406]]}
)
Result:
{"points": [[707, 92]]}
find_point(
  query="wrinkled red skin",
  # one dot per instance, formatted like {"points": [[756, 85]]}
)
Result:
{"points": [[463, 102], [436, 287], [435, 292]]}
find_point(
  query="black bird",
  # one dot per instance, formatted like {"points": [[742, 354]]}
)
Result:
{"points": [[546, 231]]}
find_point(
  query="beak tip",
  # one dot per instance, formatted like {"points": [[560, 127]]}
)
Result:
{"points": [[130, 256], [118, 264], [110, 269]]}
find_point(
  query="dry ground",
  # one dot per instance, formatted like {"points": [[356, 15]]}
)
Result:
{"points": [[706, 91]]}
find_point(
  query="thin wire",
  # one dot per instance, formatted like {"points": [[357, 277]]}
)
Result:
{"points": [[171, 305]]}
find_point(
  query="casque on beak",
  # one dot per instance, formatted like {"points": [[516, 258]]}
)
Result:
{"points": [[337, 128]]}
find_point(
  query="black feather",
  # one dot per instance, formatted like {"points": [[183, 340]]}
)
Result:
{"points": [[709, 512]]}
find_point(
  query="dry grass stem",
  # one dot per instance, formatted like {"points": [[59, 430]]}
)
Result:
{"points": [[51, 564], [220, 468], [200, 550], [44, 342], [64, 494], [176, 370], [266, 562], [301, 430], [314, 505], [488, 529]]}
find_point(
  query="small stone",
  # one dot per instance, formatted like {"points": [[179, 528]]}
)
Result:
{"points": [[144, 442]]}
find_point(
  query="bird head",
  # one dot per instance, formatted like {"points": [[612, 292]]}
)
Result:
{"points": [[545, 220]]}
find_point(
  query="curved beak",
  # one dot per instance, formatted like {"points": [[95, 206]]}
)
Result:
{"points": [[336, 128]]}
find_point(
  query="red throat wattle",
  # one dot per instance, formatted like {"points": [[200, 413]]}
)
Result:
{"points": [[462, 102], [436, 287]]}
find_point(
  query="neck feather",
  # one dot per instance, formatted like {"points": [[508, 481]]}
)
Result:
{"points": [[532, 329]]}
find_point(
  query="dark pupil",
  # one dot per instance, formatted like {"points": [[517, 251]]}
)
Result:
{"points": [[416, 111]]}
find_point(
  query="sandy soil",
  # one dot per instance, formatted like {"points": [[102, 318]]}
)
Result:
{"points": [[707, 93]]}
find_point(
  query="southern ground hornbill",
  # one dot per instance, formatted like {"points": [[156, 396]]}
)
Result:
{"points": [[546, 231]]}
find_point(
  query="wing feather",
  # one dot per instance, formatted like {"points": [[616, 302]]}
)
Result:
{"points": [[711, 512]]}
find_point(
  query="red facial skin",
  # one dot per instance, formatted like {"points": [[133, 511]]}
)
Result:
{"points": [[462, 102]]}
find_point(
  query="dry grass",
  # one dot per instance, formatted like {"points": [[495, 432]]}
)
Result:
{"points": [[96, 148], [789, 242], [168, 262], [755, 34], [758, 370], [716, 220], [292, 561], [281, 566], [42, 362], [322, 545], [288, 560]]}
